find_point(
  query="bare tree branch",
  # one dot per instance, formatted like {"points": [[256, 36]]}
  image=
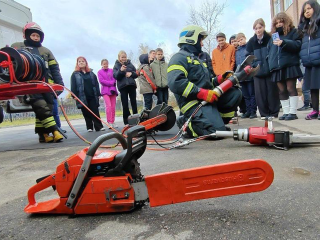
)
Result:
{"points": [[143, 48], [207, 16]]}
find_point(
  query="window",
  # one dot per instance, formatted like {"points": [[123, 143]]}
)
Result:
{"points": [[287, 4], [276, 6]]}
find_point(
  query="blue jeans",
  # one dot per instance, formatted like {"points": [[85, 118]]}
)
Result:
{"points": [[163, 95], [249, 96], [306, 95], [147, 97], [55, 112]]}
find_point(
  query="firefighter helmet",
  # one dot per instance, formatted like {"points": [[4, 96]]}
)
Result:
{"points": [[32, 27], [190, 34]]}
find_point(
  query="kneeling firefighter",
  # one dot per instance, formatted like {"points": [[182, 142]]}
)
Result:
{"points": [[42, 104], [190, 81]]}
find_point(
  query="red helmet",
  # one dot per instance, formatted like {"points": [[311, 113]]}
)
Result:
{"points": [[32, 27]]}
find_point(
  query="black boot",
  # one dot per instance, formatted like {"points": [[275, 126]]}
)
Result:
{"points": [[291, 117], [305, 107], [253, 115], [245, 115], [283, 117]]}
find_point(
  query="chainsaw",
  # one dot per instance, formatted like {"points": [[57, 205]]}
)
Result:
{"points": [[109, 181]]}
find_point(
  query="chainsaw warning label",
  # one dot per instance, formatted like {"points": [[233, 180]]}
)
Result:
{"points": [[104, 155], [237, 178]]}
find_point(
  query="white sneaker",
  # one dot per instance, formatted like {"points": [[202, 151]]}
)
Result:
{"points": [[114, 125], [102, 129], [89, 130]]}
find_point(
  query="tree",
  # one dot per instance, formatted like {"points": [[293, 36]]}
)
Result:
{"points": [[143, 48], [207, 16], [134, 60]]}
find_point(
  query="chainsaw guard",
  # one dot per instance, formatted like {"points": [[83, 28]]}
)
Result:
{"points": [[209, 182]]}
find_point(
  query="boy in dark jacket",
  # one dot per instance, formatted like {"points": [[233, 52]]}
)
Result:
{"points": [[247, 84]]}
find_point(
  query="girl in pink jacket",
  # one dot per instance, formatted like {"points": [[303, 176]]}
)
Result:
{"points": [[108, 91]]}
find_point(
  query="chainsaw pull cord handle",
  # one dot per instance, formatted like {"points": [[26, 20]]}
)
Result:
{"points": [[86, 164], [96, 143]]}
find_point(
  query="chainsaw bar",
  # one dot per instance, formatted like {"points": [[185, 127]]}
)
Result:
{"points": [[208, 182]]}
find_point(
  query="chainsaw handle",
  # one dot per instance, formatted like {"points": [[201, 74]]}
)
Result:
{"points": [[96, 143]]}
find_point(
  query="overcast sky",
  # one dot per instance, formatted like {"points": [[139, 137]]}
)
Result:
{"points": [[98, 29]]}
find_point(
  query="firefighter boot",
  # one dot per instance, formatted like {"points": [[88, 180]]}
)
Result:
{"points": [[57, 137], [45, 138]]}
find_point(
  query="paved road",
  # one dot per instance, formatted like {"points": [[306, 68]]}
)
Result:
{"points": [[288, 209]]}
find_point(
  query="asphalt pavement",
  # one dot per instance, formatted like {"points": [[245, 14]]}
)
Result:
{"points": [[288, 209]]}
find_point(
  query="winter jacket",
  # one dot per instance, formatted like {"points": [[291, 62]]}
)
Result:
{"points": [[310, 49], [107, 82], [241, 56], [53, 71], [260, 51], [205, 57], [120, 76], [77, 87], [287, 54], [223, 59], [145, 76], [159, 70]]}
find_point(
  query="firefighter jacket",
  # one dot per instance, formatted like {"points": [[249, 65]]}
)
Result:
{"points": [[52, 67], [159, 69], [186, 75]]}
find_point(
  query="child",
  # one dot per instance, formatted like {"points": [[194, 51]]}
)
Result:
{"points": [[159, 69], [284, 63], [233, 41], [42, 104], [108, 91], [309, 53], [125, 74], [247, 85], [147, 85]]}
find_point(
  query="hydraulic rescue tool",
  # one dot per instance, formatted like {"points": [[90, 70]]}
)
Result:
{"points": [[268, 136], [262, 136], [104, 181], [19, 69], [16, 68]]}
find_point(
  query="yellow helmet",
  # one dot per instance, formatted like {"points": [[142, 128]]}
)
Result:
{"points": [[189, 34]]}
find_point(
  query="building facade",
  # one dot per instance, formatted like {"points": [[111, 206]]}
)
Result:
{"points": [[291, 7]]}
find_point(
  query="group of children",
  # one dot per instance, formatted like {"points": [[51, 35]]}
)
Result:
{"points": [[279, 58]]}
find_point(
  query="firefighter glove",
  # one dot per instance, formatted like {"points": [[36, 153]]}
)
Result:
{"points": [[207, 95]]}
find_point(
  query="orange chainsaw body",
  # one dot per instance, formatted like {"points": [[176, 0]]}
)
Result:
{"points": [[102, 194]]}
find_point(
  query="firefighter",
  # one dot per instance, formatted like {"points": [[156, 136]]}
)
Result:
{"points": [[189, 79], [42, 104]]}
